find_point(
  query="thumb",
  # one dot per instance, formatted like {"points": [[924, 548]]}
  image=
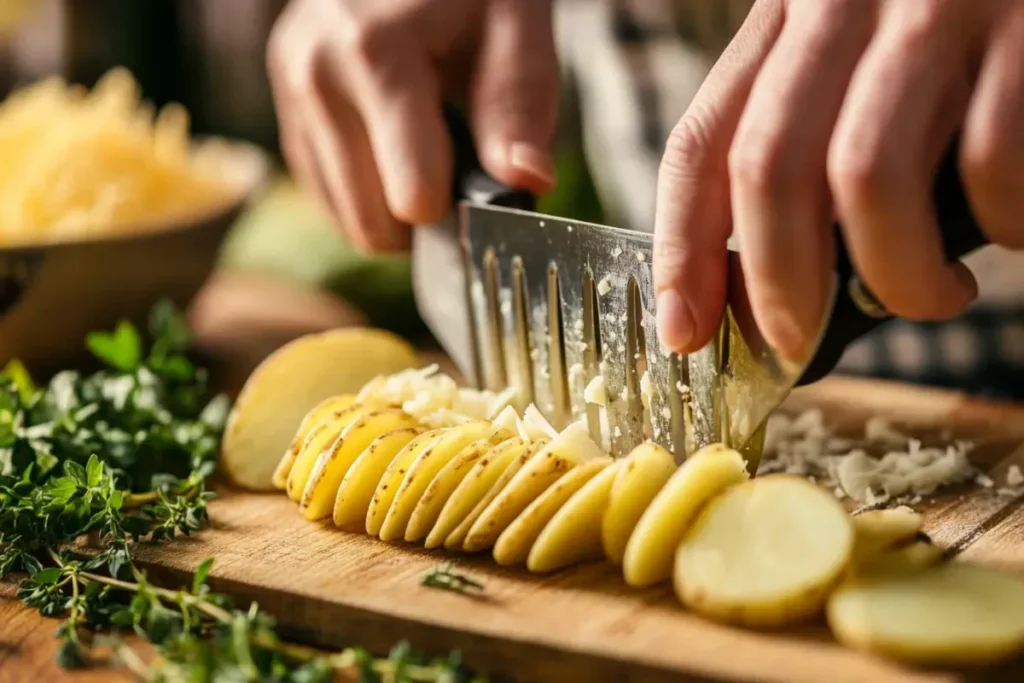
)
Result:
{"points": [[514, 94]]}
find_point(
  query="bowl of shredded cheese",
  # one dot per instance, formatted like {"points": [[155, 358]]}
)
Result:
{"points": [[106, 206]]}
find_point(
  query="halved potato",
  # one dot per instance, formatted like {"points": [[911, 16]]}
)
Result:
{"points": [[652, 545], [764, 553], [950, 614], [289, 383], [644, 473]]}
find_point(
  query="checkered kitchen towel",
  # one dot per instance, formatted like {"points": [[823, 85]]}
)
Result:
{"points": [[636, 64]]}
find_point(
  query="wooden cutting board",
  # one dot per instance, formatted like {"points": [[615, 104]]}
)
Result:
{"points": [[336, 588]]}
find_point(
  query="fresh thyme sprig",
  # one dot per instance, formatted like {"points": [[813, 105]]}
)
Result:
{"points": [[446, 578], [124, 456]]}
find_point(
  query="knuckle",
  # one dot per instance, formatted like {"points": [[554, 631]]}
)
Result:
{"points": [[687, 150], [370, 38], [761, 162], [921, 24], [860, 174]]}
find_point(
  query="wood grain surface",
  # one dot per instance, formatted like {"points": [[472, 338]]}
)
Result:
{"points": [[332, 587], [335, 588]]}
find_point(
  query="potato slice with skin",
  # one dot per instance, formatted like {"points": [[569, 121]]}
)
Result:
{"points": [[334, 463], [320, 438], [574, 533], [950, 614], [764, 553], [643, 474], [430, 504], [311, 420], [288, 383], [513, 546], [455, 538], [388, 485], [570, 448], [876, 531], [648, 556], [424, 469], [356, 490], [478, 480]]}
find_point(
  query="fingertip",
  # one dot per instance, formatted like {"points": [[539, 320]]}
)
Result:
{"points": [[520, 164], [675, 322]]}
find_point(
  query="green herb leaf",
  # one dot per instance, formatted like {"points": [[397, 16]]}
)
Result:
{"points": [[202, 571], [93, 471], [121, 349], [48, 575]]}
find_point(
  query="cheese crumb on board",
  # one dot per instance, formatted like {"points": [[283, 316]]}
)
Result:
{"points": [[604, 286], [1014, 477], [907, 469]]}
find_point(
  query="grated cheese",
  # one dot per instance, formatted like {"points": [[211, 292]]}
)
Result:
{"points": [[906, 470], [1014, 477], [596, 392]]}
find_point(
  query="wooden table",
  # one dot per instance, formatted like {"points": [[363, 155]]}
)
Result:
{"points": [[27, 646]]}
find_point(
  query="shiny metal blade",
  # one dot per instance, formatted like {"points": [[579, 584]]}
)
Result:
{"points": [[548, 305], [439, 286]]}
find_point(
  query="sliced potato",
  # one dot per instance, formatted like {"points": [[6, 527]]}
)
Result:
{"points": [[423, 470], [878, 530], [356, 490], [293, 380], [320, 439], [311, 420], [513, 546], [950, 614], [908, 558], [387, 487], [473, 487], [574, 532], [457, 538], [428, 507], [334, 463], [764, 553], [569, 449], [649, 552], [643, 474]]}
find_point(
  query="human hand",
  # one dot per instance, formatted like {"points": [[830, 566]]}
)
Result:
{"points": [[839, 110], [358, 88]]}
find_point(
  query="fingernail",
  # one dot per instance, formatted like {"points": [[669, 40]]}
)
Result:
{"points": [[528, 159], [675, 322]]}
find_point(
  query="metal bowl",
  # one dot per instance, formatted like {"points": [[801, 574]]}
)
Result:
{"points": [[53, 294]]}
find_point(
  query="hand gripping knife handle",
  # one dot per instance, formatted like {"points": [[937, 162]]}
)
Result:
{"points": [[855, 311]]}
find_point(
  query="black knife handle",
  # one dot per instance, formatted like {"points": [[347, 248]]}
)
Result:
{"points": [[857, 311], [469, 180]]}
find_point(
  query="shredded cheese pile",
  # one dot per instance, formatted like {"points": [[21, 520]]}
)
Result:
{"points": [[906, 471]]}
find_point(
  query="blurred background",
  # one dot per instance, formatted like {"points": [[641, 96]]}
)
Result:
{"points": [[209, 56]]}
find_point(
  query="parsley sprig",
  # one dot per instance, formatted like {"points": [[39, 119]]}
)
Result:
{"points": [[92, 465]]}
